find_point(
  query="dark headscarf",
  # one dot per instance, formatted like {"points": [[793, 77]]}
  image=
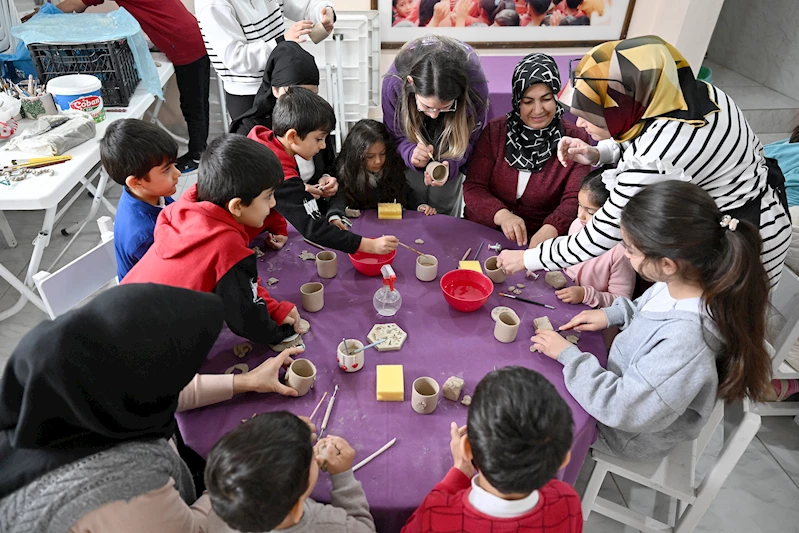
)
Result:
{"points": [[526, 148], [288, 64], [106, 373]]}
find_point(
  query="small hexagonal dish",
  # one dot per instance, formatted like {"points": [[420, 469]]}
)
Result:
{"points": [[396, 337]]}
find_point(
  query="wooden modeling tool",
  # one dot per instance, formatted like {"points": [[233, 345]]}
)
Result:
{"points": [[318, 405], [314, 244], [378, 452], [466, 254], [327, 413], [414, 250], [525, 300]]}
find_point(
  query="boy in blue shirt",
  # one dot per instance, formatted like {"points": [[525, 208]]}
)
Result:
{"points": [[141, 157]]}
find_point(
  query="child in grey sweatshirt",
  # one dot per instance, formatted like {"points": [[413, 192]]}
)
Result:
{"points": [[261, 474], [694, 336]]}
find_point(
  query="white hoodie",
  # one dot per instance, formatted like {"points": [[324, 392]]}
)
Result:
{"points": [[240, 34]]}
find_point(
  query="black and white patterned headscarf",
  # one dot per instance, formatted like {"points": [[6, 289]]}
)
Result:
{"points": [[527, 148]]}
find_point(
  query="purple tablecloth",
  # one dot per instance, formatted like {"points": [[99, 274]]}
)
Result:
{"points": [[441, 342], [499, 71]]}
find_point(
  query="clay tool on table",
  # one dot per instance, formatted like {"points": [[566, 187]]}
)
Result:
{"points": [[466, 254], [378, 452], [525, 300], [37, 160], [478, 251], [414, 250], [318, 406], [359, 350], [327, 413], [314, 244]]}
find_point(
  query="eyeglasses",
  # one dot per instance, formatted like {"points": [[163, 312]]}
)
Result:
{"points": [[573, 77], [426, 109]]}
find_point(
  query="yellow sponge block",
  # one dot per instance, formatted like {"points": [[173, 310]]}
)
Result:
{"points": [[470, 265], [389, 211], [390, 383]]}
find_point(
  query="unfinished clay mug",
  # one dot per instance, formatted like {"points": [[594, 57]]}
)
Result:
{"points": [[326, 264], [496, 274], [301, 376], [426, 268], [318, 32], [348, 361], [313, 296], [424, 398], [506, 327], [439, 172]]}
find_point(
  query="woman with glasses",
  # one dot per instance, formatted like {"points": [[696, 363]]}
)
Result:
{"points": [[515, 182], [435, 104], [654, 121]]}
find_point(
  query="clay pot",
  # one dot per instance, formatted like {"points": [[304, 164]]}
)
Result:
{"points": [[318, 32], [438, 171], [424, 398], [506, 327], [313, 296], [326, 264], [301, 376], [426, 268], [493, 271], [346, 362]]}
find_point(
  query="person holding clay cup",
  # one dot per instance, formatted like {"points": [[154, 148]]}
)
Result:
{"points": [[435, 104]]}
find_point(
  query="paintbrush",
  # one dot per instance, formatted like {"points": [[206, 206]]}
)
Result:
{"points": [[411, 249], [478, 251], [525, 300], [359, 350], [314, 244]]}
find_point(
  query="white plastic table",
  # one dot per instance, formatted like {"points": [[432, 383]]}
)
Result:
{"points": [[45, 192]]}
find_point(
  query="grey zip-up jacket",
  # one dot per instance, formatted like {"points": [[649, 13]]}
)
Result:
{"points": [[661, 380]]}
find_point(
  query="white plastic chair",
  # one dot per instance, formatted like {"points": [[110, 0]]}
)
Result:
{"points": [[675, 475], [73, 283]]}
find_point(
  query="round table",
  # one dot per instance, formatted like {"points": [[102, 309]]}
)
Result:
{"points": [[441, 342]]}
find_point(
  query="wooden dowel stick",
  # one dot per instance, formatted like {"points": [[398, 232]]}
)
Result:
{"points": [[318, 406], [466, 254], [314, 244]]}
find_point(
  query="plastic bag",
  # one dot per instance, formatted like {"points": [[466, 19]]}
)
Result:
{"points": [[9, 108], [48, 136], [50, 25]]}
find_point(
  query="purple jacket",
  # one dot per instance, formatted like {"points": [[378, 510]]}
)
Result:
{"points": [[392, 89]]}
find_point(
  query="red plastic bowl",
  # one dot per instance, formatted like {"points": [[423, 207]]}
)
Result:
{"points": [[370, 264], [466, 290]]}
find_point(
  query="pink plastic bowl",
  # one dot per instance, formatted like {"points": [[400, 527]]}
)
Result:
{"points": [[370, 264], [466, 290]]}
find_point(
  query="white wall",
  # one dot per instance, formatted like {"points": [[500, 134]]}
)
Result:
{"points": [[760, 40]]}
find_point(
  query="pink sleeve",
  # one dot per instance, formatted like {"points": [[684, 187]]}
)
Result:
{"points": [[621, 282], [160, 510], [205, 389]]}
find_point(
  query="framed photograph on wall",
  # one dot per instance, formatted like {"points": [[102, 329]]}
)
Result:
{"points": [[505, 23]]}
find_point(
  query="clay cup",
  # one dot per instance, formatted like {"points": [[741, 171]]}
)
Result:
{"points": [[326, 264], [438, 171], [424, 398], [506, 327], [426, 268], [493, 271], [347, 362], [301, 376], [313, 296]]}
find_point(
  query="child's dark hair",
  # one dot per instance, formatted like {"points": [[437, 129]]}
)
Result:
{"points": [[426, 9], [256, 473], [593, 184], [574, 4], [680, 221], [351, 166], [794, 135], [133, 147], [302, 110], [493, 7], [507, 17], [539, 6], [234, 166], [520, 429]]}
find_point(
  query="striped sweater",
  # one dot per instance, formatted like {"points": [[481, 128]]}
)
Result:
{"points": [[724, 157], [240, 34]]}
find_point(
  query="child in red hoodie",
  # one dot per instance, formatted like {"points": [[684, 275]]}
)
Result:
{"points": [[201, 240], [301, 121], [519, 436]]}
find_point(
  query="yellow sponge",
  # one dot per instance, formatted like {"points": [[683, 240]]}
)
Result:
{"points": [[390, 383], [391, 211], [470, 265]]}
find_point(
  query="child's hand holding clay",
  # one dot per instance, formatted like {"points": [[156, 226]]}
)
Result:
{"points": [[338, 455]]}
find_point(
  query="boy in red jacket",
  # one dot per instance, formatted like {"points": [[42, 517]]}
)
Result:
{"points": [[519, 436], [201, 240]]}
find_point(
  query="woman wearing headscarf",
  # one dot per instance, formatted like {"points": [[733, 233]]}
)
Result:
{"points": [[87, 406], [654, 120], [515, 182]]}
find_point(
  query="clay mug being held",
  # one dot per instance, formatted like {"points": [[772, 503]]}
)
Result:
{"points": [[494, 272], [301, 376], [439, 172]]}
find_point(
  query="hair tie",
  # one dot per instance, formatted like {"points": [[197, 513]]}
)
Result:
{"points": [[728, 222]]}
